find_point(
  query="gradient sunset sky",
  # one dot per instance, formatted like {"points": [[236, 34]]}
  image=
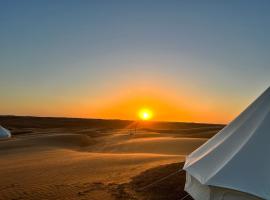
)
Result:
{"points": [[186, 60]]}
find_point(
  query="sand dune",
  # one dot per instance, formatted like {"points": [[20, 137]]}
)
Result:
{"points": [[87, 162], [157, 145], [47, 141]]}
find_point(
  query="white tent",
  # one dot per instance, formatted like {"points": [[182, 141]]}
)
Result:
{"points": [[4, 133], [235, 163]]}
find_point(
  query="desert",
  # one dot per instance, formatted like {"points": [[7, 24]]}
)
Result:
{"points": [[62, 158]]}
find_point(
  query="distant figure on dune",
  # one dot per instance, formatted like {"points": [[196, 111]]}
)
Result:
{"points": [[4, 133]]}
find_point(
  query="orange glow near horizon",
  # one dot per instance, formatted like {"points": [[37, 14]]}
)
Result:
{"points": [[128, 100], [165, 105]]}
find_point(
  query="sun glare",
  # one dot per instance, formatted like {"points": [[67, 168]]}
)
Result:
{"points": [[145, 114]]}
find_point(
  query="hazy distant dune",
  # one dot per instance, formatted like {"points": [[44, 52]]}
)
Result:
{"points": [[24, 124]]}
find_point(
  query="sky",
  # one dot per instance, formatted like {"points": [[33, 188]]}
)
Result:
{"points": [[186, 60]]}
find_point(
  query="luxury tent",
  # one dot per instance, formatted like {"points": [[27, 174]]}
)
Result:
{"points": [[235, 163], [4, 133]]}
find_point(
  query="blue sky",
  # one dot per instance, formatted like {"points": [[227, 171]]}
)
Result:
{"points": [[73, 52]]}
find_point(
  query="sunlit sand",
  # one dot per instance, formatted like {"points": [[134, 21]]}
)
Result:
{"points": [[80, 162]]}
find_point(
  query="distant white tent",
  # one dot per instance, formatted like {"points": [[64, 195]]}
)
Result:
{"points": [[235, 163], [4, 133]]}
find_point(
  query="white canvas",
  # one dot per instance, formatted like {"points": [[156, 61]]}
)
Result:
{"points": [[204, 192], [237, 157], [4, 133]]}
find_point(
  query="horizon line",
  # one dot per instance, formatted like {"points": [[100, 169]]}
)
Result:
{"points": [[112, 119]]}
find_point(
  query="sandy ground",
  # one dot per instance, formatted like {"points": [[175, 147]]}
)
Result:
{"points": [[86, 162]]}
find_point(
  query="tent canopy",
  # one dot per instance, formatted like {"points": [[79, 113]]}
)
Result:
{"points": [[237, 157], [4, 133]]}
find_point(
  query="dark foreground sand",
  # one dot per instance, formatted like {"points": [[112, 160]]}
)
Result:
{"points": [[58, 158]]}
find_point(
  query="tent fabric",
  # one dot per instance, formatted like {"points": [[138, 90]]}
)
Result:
{"points": [[196, 189], [237, 157], [205, 192], [4, 133]]}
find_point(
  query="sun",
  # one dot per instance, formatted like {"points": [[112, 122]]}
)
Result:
{"points": [[145, 114]]}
